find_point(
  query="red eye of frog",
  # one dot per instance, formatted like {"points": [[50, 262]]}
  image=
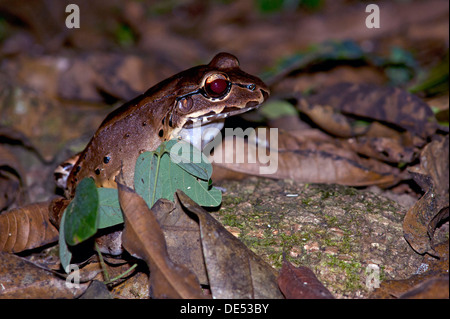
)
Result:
{"points": [[216, 86]]}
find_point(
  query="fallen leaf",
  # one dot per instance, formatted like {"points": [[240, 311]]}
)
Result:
{"points": [[182, 235], [330, 109], [20, 278], [432, 175], [96, 290], [383, 149], [434, 288], [143, 238], [26, 228], [11, 175], [301, 283], [413, 288], [104, 77], [305, 162], [13, 136], [234, 271]]}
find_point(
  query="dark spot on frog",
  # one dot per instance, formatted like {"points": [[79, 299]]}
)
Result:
{"points": [[144, 123], [161, 133], [97, 171], [77, 170], [127, 135]]}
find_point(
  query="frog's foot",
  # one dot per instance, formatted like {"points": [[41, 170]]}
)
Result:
{"points": [[63, 170]]}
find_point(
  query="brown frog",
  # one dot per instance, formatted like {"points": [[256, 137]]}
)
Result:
{"points": [[206, 95]]}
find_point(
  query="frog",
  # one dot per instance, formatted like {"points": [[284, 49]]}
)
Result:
{"points": [[202, 96]]}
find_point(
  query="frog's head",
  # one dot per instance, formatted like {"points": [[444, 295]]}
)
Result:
{"points": [[208, 94], [204, 95]]}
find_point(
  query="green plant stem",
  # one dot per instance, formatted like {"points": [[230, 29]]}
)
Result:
{"points": [[156, 178], [126, 272], [102, 264], [108, 280]]}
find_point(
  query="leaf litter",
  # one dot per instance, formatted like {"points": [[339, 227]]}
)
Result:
{"points": [[396, 145]]}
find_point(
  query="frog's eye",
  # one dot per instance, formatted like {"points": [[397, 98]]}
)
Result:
{"points": [[217, 85]]}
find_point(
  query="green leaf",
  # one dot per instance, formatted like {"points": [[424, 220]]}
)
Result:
{"points": [[204, 195], [81, 214], [157, 176], [278, 108], [65, 255], [173, 177], [145, 177], [190, 158], [109, 212], [170, 177]]}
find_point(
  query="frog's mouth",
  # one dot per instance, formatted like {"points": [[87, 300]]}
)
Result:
{"points": [[212, 116], [201, 130]]}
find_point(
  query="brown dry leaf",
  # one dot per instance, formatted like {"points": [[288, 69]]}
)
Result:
{"points": [[414, 288], [234, 271], [182, 235], [307, 162], [26, 228], [329, 109], [433, 176], [97, 290], [301, 283], [11, 174], [143, 238], [21, 279], [12, 136], [434, 288], [101, 76], [382, 148], [46, 121], [305, 81]]}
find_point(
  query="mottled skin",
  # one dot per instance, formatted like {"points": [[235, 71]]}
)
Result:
{"points": [[160, 113]]}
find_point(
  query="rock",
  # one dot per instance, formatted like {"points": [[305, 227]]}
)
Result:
{"points": [[346, 236]]}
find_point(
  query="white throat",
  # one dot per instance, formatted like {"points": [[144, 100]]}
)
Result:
{"points": [[199, 135]]}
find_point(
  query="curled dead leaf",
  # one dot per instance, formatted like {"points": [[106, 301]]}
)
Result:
{"points": [[421, 220], [234, 271], [26, 228], [143, 238], [182, 235]]}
